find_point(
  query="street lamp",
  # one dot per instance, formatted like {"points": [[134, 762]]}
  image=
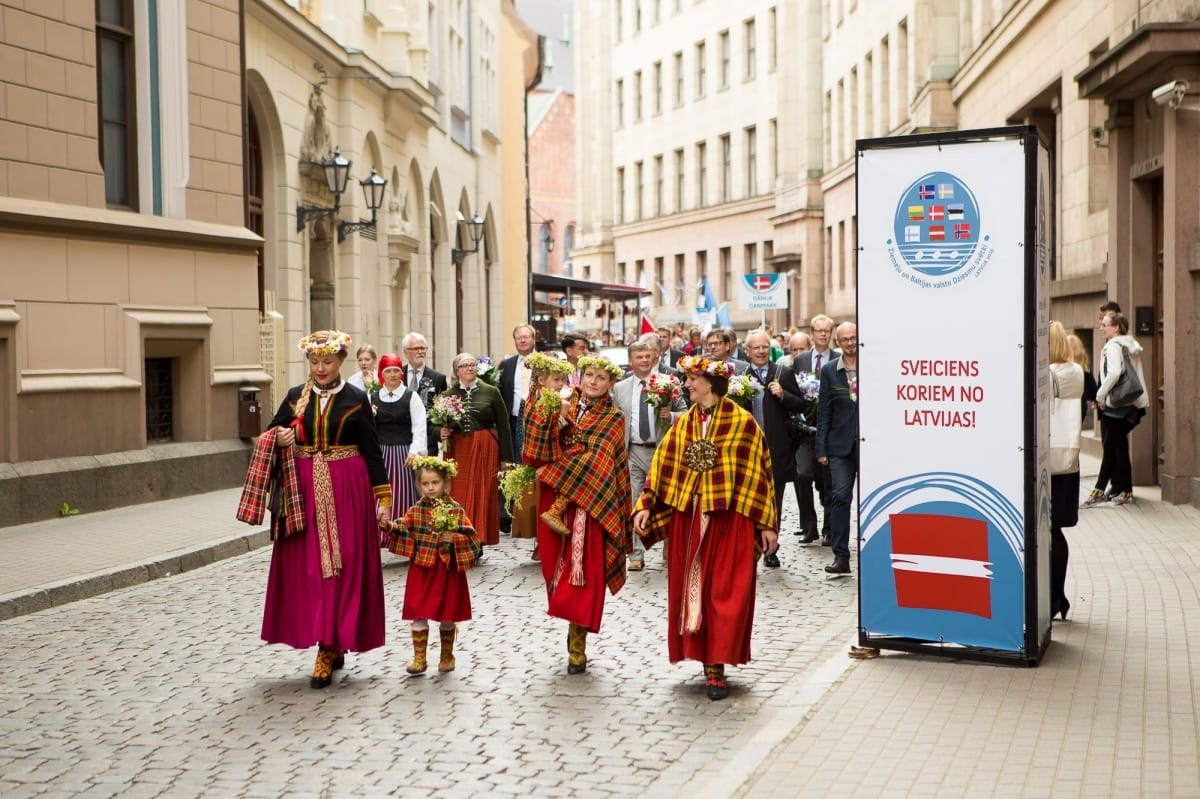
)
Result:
{"points": [[337, 175], [474, 232]]}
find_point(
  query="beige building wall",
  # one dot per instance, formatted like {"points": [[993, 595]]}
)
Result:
{"points": [[92, 288], [412, 89], [694, 98]]}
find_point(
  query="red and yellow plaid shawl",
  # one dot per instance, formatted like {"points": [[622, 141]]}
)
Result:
{"points": [[413, 537], [592, 471], [739, 481]]}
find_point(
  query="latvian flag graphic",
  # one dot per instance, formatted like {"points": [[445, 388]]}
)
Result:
{"points": [[941, 563]]}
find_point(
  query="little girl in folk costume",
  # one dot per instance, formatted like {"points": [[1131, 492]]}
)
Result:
{"points": [[438, 538]]}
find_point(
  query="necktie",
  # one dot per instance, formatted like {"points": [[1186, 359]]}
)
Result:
{"points": [[817, 363], [644, 416], [412, 379], [758, 400]]}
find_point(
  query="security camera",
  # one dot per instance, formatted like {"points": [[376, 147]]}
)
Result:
{"points": [[1097, 135], [1171, 94]]}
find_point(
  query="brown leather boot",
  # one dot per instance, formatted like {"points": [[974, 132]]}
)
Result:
{"points": [[446, 660], [420, 645]]}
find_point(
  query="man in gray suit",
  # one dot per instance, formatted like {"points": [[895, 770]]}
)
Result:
{"points": [[644, 426]]}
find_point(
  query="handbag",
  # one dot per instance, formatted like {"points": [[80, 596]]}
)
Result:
{"points": [[1128, 387], [799, 430]]}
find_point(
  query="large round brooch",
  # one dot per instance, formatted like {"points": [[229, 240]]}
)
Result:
{"points": [[700, 455]]}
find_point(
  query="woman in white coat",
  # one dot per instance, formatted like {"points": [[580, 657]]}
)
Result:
{"points": [[1066, 422]]}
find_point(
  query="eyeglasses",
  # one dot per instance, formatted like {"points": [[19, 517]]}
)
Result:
{"points": [[848, 340], [468, 366], [416, 349]]}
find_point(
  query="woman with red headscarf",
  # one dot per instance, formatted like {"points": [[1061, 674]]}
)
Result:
{"points": [[400, 421]]}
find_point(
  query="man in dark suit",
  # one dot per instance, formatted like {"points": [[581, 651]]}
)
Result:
{"points": [[837, 439], [771, 409], [514, 381], [813, 360], [719, 344], [668, 355], [425, 381]]}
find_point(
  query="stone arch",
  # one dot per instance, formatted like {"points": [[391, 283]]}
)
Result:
{"points": [[275, 183]]}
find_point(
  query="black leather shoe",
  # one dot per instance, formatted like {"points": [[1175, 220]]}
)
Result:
{"points": [[808, 537], [839, 566], [717, 690], [771, 561], [826, 540]]}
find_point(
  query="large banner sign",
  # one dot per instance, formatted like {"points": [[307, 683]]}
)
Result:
{"points": [[950, 318]]}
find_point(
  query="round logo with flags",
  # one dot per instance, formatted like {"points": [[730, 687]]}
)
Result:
{"points": [[936, 226]]}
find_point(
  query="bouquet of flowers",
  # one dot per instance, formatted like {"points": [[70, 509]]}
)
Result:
{"points": [[445, 520], [661, 390], [447, 411], [743, 389], [514, 483], [802, 424], [487, 371], [850, 391], [548, 401], [371, 383]]}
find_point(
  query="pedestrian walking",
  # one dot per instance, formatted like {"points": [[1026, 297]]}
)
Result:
{"points": [[400, 422], [325, 585], [366, 377], [480, 441], [711, 496], [1066, 422], [837, 440], [584, 475], [1116, 422], [440, 542]]}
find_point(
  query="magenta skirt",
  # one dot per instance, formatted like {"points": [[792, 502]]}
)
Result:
{"points": [[345, 611]]}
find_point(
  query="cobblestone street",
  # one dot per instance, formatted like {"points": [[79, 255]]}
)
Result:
{"points": [[165, 689]]}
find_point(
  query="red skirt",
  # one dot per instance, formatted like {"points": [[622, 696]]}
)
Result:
{"points": [[438, 593], [476, 487], [727, 582], [579, 604]]}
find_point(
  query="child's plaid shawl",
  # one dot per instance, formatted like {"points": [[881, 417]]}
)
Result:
{"points": [[740, 481], [593, 472], [413, 537], [540, 443]]}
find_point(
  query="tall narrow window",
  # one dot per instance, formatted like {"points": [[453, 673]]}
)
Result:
{"points": [[658, 87], [639, 188], [726, 57], [750, 35], [701, 174], [658, 185], [545, 235], [772, 28], [678, 79], [680, 176], [680, 279], [619, 91], [726, 254], [751, 161], [751, 257], [637, 96], [118, 117], [726, 169], [774, 173], [637, 16], [620, 195], [619, 19], [701, 70]]}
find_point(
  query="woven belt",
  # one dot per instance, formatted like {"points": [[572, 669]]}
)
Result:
{"points": [[326, 513]]}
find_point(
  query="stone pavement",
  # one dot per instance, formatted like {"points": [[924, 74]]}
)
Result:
{"points": [[163, 689]]}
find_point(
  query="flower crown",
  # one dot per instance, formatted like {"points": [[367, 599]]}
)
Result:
{"points": [[697, 365], [447, 468], [332, 343], [542, 362], [600, 362]]}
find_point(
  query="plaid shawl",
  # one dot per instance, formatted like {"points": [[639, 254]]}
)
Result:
{"points": [[272, 469], [740, 481], [592, 471], [414, 537], [540, 444]]}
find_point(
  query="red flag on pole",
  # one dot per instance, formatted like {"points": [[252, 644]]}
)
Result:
{"points": [[646, 326]]}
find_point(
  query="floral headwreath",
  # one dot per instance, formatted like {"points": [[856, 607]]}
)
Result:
{"points": [[543, 362], [600, 362], [335, 341], [446, 468], [699, 365]]}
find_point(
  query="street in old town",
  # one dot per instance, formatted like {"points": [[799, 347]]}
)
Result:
{"points": [[164, 689]]}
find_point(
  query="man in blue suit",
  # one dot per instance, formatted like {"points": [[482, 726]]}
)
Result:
{"points": [[837, 439]]}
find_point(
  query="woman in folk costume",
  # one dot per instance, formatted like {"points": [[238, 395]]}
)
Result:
{"points": [[480, 442], [438, 537], [548, 376], [400, 421], [584, 482], [326, 584], [711, 496]]}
